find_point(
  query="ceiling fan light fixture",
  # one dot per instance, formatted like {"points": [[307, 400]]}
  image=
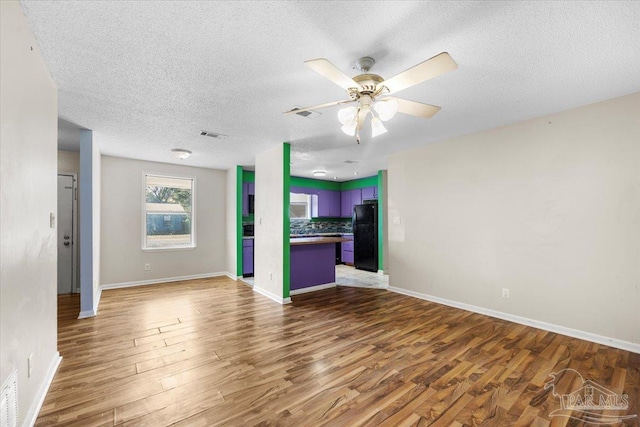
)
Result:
{"points": [[386, 109], [377, 128], [181, 153], [347, 115], [349, 129]]}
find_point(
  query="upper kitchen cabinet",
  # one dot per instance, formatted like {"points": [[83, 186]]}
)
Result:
{"points": [[369, 193], [328, 203], [350, 198], [248, 189], [345, 204], [356, 198]]}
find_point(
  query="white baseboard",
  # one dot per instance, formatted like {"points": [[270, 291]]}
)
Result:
{"points": [[163, 280], [34, 410], [87, 313], [232, 276], [312, 289], [383, 272], [96, 300], [588, 336], [272, 296]]}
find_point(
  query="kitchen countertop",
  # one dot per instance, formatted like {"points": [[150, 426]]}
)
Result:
{"points": [[318, 240]]}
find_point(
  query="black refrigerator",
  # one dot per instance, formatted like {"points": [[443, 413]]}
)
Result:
{"points": [[365, 237]]}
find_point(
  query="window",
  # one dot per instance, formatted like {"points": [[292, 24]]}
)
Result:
{"points": [[299, 206], [168, 212]]}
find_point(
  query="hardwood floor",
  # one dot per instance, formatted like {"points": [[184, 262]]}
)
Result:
{"points": [[212, 352]]}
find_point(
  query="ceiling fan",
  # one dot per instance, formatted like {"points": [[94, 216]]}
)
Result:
{"points": [[371, 92]]}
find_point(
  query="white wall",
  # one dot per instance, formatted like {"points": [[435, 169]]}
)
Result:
{"points": [[268, 222], [96, 212], [28, 186], [548, 208], [89, 202], [122, 257], [231, 222]]}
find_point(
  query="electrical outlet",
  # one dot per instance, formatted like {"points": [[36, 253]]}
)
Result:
{"points": [[30, 365], [147, 267], [505, 293]]}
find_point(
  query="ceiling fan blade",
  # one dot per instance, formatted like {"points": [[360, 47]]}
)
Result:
{"points": [[317, 107], [426, 70], [414, 108], [330, 71]]}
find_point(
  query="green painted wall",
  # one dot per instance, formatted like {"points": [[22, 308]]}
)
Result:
{"points": [[239, 230], [286, 255], [381, 206], [297, 181], [370, 181], [248, 176]]}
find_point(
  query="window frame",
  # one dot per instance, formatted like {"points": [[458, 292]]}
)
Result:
{"points": [[193, 244]]}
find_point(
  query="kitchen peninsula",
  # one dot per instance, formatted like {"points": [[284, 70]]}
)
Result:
{"points": [[313, 261]]}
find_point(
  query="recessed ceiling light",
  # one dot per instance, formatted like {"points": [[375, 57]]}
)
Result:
{"points": [[355, 173], [335, 177], [181, 153], [319, 173]]}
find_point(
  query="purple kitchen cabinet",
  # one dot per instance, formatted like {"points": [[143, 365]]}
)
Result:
{"points": [[247, 257], [356, 198], [328, 203], [312, 265], [347, 252], [345, 204], [245, 198], [369, 193], [248, 188]]}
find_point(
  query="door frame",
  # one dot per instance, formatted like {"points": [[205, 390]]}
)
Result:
{"points": [[75, 286]]}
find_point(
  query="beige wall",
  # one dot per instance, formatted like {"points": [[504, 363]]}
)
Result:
{"points": [[231, 223], [548, 208], [268, 221], [69, 162], [28, 183], [122, 257]]}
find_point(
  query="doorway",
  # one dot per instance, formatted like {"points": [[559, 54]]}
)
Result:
{"points": [[67, 234]]}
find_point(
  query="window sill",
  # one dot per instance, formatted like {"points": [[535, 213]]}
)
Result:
{"points": [[171, 248]]}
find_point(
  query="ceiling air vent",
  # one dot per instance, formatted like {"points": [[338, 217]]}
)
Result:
{"points": [[212, 134], [350, 161], [308, 114]]}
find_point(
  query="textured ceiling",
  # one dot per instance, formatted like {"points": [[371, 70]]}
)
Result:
{"points": [[147, 77]]}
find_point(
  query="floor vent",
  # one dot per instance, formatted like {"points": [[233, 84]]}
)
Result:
{"points": [[9, 401]]}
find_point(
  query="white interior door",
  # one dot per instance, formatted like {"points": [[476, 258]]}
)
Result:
{"points": [[66, 235]]}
